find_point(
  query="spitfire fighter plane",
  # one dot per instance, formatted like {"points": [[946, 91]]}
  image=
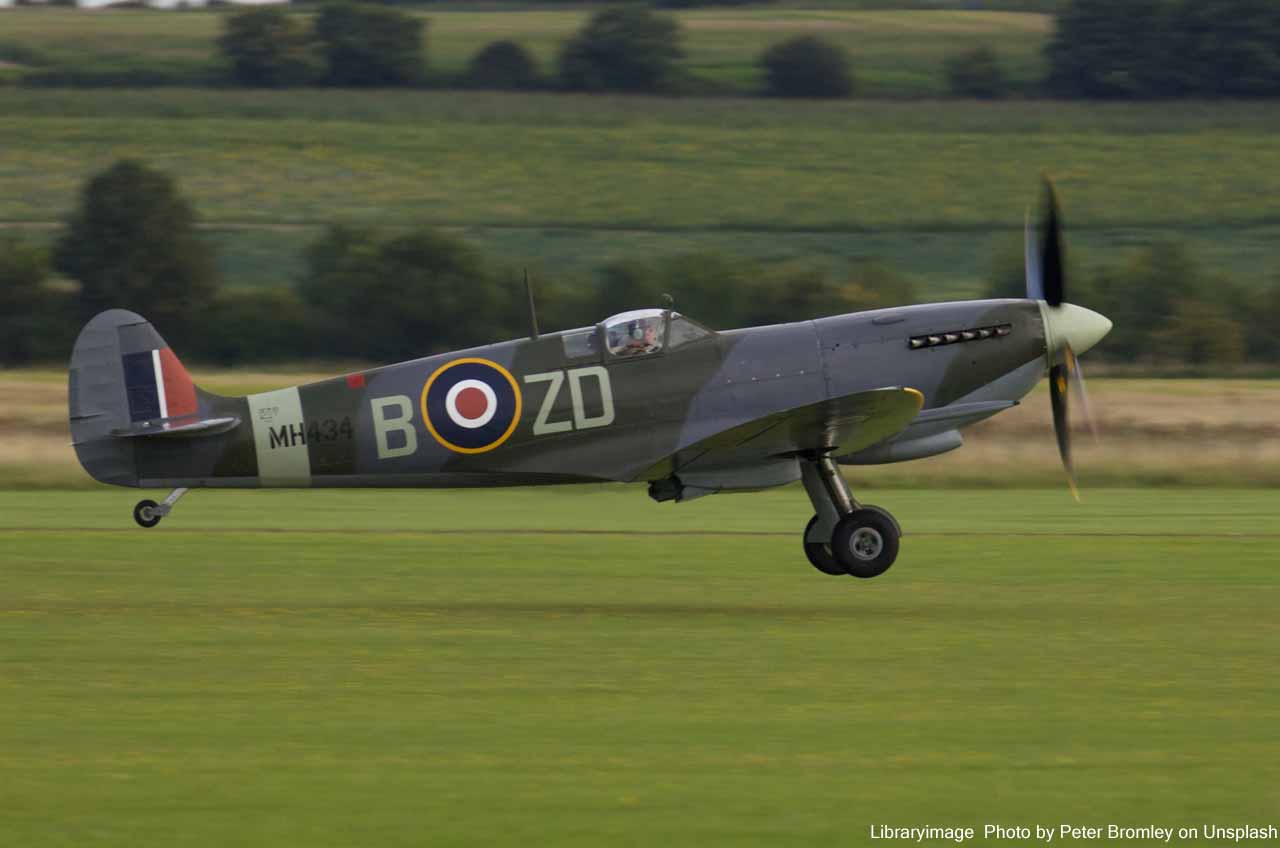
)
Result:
{"points": [[645, 396]]}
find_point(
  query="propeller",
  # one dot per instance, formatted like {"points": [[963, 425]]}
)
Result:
{"points": [[1067, 327], [1061, 421]]}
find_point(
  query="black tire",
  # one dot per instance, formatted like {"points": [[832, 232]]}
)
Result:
{"points": [[865, 542], [144, 513], [886, 514], [820, 556]]}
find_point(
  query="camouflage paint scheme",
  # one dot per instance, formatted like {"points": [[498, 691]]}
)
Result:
{"points": [[369, 428]]}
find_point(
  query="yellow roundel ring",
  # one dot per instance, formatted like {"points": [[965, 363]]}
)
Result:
{"points": [[471, 405]]}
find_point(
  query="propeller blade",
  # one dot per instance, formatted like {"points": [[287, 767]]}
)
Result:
{"points": [[1051, 248], [1031, 262], [1058, 375], [1077, 382]]}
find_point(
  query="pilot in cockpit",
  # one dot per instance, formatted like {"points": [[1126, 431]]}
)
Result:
{"points": [[644, 339], [642, 336]]}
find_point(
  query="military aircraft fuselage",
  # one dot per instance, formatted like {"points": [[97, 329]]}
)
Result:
{"points": [[563, 407]]}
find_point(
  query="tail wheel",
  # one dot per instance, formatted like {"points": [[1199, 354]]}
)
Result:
{"points": [[819, 553], [146, 513], [865, 542]]}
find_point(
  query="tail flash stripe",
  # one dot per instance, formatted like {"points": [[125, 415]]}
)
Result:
{"points": [[179, 391], [159, 378]]}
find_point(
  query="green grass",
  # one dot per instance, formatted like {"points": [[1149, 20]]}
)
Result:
{"points": [[327, 669], [895, 53], [567, 183], [651, 174]]}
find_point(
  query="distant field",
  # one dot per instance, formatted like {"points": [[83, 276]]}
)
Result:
{"points": [[637, 163], [896, 53], [1153, 432], [566, 183], [401, 669]]}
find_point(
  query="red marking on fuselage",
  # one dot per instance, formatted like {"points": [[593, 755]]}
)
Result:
{"points": [[179, 391], [471, 403], [355, 381]]}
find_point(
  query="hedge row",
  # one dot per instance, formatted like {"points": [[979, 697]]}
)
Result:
{"points": [[380, 296]]}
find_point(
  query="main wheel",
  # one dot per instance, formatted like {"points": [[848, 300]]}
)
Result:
{"points": [[819, 554], [144, 512], [886, 514], [865, 542]]}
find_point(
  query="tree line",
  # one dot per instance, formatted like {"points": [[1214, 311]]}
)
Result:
{"points": [[1135, 49], [378, 295], [1099, 49], [624, 49], [1166, 48]]}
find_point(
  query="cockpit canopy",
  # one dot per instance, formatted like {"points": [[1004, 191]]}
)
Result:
{"points": [[635, 333], [641, 332]]}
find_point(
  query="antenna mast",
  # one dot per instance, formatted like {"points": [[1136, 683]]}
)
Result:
{"points": [[533, 313]]}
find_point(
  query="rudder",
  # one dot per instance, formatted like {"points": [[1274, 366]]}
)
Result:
{"points": [[123, 376]]}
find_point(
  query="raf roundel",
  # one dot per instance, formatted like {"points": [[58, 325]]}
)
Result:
{"points": [[471, 405]]}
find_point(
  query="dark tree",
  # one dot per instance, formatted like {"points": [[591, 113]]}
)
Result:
{"points": [[132, 243], [711, 287], [1103, 48], [799, 289], [976, 73], [1166, 48], [1230, 48], [408, 295], [23, 302], [258, 325], [367, 46], [1140, 294], [1198, 332], [807, 67], [624, 49], [628, 284], [694, 4], [726, 291], [268, 47], [504, 66], [1264, 328]]}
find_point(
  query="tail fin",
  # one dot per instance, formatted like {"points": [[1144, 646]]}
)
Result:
{"points": [[126, 382]]}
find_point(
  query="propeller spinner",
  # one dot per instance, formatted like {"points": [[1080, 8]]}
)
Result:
{"points": [[1069, 329]]}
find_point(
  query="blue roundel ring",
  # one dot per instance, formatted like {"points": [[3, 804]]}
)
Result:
{"points": [[471, 405]]}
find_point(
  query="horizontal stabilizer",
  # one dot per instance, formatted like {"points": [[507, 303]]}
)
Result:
{"points": [[179, 429]]}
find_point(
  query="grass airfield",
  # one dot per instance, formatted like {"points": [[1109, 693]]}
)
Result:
{"points": [[583, 666]]}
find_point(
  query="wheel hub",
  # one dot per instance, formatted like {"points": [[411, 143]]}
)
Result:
{"points": [[866, 543]]}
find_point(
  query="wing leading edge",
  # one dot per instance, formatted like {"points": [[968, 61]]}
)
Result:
{"points": [[838, 426]]}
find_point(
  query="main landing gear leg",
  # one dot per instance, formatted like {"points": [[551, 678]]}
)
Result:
{"points": [[844, 536], [148, 513]]}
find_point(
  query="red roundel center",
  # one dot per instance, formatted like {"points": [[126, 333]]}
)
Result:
{"points": [[471, 403]]}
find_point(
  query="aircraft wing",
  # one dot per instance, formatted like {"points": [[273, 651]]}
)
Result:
{"points": [[840, 426]]}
